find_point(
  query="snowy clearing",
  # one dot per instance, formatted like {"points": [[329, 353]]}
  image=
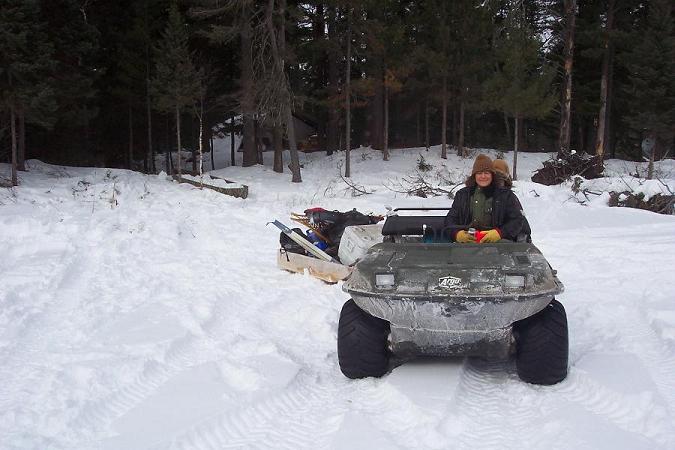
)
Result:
{"points": [[136, 312]]}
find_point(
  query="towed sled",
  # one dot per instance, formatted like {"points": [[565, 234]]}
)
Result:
{"points": [[335, 240]]}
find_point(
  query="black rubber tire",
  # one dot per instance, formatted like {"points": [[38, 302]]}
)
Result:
{"points": [[542, 346], [362, 343]]}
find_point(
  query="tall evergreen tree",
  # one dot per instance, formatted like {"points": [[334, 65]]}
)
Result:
{"points": [[522, 85], [26, 64], [651, 65], [435, 55], [133, 68], [132, 72], [570, 7], [76, 42], [176, 83]]}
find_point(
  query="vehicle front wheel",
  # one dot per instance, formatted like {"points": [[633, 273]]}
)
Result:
{"points": [[542, 345], [362, 343]]}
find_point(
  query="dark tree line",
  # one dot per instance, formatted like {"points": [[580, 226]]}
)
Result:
{"points": [[114, 83]]}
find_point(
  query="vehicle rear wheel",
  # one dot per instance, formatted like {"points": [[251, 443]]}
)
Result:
{"points": [[362, 343], [542, 345]]}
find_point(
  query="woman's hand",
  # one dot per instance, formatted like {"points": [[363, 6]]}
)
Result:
{"points": [[490, 236], [463, 237]]}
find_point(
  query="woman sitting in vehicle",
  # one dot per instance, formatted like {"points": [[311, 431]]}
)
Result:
{"points": [[487, 205], [502, 170]]}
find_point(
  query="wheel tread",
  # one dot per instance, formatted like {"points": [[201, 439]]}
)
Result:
{"points": [[542, 345], [362, 343]]}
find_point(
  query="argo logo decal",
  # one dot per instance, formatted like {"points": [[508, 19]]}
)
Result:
{"points": [[449, 282]]}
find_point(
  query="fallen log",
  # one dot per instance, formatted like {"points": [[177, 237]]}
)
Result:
{"points": [[239, 190]]}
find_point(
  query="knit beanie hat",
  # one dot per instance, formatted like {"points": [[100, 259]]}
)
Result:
{"points": [[483, 163], [501, 166]]}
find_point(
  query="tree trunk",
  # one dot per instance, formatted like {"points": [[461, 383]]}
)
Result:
{"points": [[292, 143], [333, 130], [516, 121], [385, 149], [320, 61], [232, 149], [21, 155], [609, 138], [258, 147], [508, 128], [279, 51], [167, 152], [194, 147], [12, 127], [444, 124], [376, 108], [348, 109], [426, 123], [460, 143], [418, 129], [85, 112], [130, 154], [211, 148], [247, 89], [151, 151], [201, 137], [600, 144], [178, 143], [565, 109], [278, 137], [454, 134]]}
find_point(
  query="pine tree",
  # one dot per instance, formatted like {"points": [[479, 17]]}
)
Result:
{"points": [[651, 65], [522, 85], [76, 43], [134, 60], [435, 55], [387, 48], [570, 7], [26, 63], [132, 72], [176, 83]]}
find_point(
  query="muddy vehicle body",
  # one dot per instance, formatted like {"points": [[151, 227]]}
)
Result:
{"points": [[416, 293]]}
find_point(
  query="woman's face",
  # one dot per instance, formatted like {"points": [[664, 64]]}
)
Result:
{"points": [[483, 179]]}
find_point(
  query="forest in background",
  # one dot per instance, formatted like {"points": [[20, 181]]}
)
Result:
{"points": [[87, 82]]}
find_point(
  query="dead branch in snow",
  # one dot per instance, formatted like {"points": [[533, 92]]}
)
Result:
{"points": [[418, 186], [356, 189]]}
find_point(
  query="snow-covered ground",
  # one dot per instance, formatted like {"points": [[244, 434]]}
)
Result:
{"points": [[139, 313]]}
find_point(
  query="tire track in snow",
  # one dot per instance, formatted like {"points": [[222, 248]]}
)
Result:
{"points": [[183, 353], [303, 416], [632, 413], [394, 413], [485, 404], [654, 353], [30, 367], [208, 341], [632, 330]]}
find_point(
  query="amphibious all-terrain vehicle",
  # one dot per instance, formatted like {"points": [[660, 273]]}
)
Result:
{"points": [[417, 293]]}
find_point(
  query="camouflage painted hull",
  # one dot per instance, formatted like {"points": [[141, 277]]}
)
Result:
{"points": [[453, 299]]}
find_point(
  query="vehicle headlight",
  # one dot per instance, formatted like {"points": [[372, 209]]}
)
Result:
{"points": [[384, 280], [514, 281]]}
